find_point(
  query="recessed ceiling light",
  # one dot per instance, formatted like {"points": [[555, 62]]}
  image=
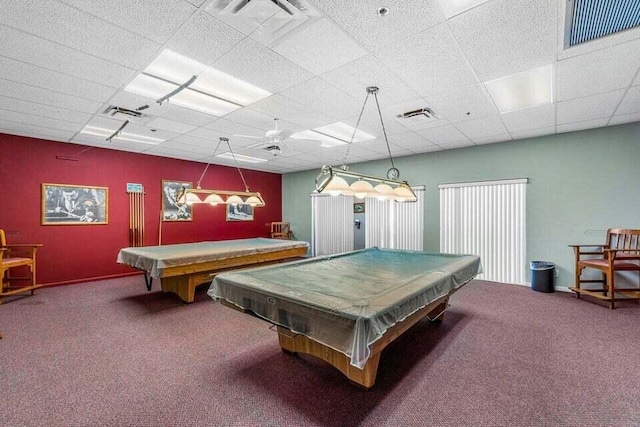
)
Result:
{"points": [[452, 8], [241, 158], [383, 11], [122, 136], [522, 90], [212, 92]]}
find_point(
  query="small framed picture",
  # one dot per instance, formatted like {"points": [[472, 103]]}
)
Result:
{"points": [[64, 204], [239, 213], [171, 210], [358, 208]]}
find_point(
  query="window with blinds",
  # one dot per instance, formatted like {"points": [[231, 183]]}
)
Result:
{"points": [[487, 219]]}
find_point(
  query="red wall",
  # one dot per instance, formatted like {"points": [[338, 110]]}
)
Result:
{"points": [[83, 252]]}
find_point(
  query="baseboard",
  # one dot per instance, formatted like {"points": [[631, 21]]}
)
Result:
{"points": [[556, 288], [88, 279]]}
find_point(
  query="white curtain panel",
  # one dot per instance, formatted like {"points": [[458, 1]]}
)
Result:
{"points": [[487, 219]]}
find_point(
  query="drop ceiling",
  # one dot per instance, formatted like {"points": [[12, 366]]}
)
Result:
{"points": [[65, 62]]}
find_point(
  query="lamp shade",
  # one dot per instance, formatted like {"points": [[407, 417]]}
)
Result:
{"points": [[385, 192], [234, 200], [338, 186], [213, 199], [254, 201], [405, 194], [191, 198], [361, 188]]}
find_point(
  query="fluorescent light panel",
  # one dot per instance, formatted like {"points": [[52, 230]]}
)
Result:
{"points": [[213, 92], [124, 136], [241, 158], [334, 135], [452, 8], [522, 90]]}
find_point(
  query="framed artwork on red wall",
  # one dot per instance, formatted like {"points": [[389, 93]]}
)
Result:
{"points": [[171, 210], [239, 213], [64, 204]]}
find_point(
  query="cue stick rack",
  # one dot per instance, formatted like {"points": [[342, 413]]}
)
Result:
{"points": [[136, 216]]}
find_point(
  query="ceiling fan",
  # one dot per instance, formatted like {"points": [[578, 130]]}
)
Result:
{"points": [[274, 139]]}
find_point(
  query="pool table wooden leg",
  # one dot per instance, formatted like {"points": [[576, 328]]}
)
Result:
{"points": [[292, 343]]}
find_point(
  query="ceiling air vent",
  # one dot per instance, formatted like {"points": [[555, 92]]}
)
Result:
{"points": [[424, 113], [134, 116], [587, 20], [267, 21]]}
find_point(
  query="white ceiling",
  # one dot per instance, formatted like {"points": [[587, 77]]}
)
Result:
{"points": [[64, 62]]}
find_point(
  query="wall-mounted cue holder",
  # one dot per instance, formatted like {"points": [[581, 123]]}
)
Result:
{"points": [[136, 214]]}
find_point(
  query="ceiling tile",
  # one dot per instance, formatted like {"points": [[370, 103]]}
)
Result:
{"points": [[533, 133], [170, 125], [204, 39], [492, 139], [442, 135], [587, 124], [624, 118], [482, 128], [197, 3], [411, 141], [590, 74], [353, 78], [636, 82], [319, 95], [530, 118], [47, 97], [157, 22], [456, 144], [320, 47], [631, 102], [43, 53], [504, 37], [439, 68], [360, 19], [36, 76], [459, 105], [33, 108], [590, 107], [226, 128], [77, 30], [29, 119], [258, 65], [280, 107], [11, 127]]}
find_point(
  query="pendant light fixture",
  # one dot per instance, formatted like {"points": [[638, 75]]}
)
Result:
{"points": [[333, 180]]}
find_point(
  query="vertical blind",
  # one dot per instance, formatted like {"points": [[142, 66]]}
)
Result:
{"points": [[487, 219], [395, 225], [332, 222], [387, 224]]}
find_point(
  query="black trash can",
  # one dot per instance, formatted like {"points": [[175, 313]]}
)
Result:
{"points": [[542, 275]]}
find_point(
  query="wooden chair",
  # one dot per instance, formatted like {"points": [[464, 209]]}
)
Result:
{"points": [[620, 252], [15, 256], [280, 230]]}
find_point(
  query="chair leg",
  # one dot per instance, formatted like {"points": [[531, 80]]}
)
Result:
{"points": [[611, 283], [577, 280]]}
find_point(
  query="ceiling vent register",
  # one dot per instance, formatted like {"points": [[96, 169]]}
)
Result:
{"points": [[587, 20]]}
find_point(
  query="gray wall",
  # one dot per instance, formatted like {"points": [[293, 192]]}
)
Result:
{"points": [[580, 184]]}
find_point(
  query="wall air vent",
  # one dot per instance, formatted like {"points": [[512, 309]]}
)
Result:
{"points": [[587, 20], [267, 21]]}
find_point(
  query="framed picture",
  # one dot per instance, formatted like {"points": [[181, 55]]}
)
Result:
{"points": [[64, 204], [239, 213], [358, 208], [171, 211]]}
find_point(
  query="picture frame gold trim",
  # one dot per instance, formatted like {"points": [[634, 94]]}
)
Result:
{"points": [[68, 204], [171, 211]]}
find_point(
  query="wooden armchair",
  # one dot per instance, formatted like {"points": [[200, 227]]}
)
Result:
{"points": [[15, 256], [280, 230], [620, 252]]}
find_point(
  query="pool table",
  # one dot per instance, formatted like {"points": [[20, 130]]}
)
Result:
{"points": [[346, 308], [182, 267]]}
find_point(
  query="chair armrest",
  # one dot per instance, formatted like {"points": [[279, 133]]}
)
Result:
{"points": [[578, 252]]}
